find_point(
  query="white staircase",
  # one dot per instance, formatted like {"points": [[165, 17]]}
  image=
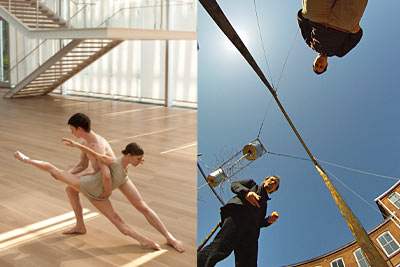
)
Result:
{"points": [[67, 62], [34, 14]]}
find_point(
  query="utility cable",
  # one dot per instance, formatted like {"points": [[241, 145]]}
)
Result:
{"points": [[262, 42], [287, 57], [336, 165], [364, 241], [355, 193]]}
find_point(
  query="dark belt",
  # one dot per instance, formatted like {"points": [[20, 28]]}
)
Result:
{"points": [[336, 28]]}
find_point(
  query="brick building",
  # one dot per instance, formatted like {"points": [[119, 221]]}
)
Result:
{"points": [[386, 237]]}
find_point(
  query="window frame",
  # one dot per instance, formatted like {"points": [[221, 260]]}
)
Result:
{"points": [[397, 201], [354, 253], [344, 265], [397, 243]]}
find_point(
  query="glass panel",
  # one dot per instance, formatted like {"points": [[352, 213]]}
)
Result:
{"points": [[394, 245], [361, 259], [149, 14], [388, 244], [4, 51], [142, 14], [395, 199], [337, 263]]}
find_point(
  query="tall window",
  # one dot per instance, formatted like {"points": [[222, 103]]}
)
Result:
{"points": [[395, 199], [388, 243], [361, 259], [337, 263], [4, 60]]}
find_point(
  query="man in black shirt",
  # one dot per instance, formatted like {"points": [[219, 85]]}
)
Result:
{"points": [[242, 217], [330, 27]]}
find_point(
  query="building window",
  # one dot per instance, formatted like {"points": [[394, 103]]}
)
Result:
{"points": [[360, 258], [337, 263], [388, 243], [395, 199], [4, 60]]}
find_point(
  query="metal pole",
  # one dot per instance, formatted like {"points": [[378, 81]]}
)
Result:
{"points": [[37, 14], [212, 189], [372, 254], [167, 90], [2, 26], [220, 200], [209, 236]]}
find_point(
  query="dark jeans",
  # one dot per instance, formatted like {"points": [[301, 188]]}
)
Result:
{"points": [[238, 234]]}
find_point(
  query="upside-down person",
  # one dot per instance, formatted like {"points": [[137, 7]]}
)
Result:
{"points": [[330, 28]]}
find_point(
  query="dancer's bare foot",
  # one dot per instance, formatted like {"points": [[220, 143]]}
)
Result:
{"points": [[19, 156], [150, 244], [176, 244], [77, 230]]}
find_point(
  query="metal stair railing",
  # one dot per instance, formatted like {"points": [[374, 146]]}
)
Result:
{"points": [[65, 50], [36, 49]]}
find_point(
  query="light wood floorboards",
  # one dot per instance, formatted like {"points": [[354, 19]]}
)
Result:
{"points": [[166, 181]]}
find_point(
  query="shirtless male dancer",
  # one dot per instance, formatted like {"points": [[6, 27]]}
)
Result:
{"points": [[80, 126]]}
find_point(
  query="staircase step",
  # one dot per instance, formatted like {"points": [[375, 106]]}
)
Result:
{"points": [[44, 23], [69, 64], [17, 1], [20, 8], [15, 4], [30, 13], [34, 17], [43, 27]]}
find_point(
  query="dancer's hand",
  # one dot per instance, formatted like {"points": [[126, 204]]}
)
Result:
{"points": [[69, 142], [253, 199], [87, 173], [106, 194]]}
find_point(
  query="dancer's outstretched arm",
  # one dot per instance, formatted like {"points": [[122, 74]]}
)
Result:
{"points": [[102, 158]]}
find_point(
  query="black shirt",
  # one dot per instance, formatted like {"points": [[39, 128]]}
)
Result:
{"points": [[239, 204], [327, 41]]}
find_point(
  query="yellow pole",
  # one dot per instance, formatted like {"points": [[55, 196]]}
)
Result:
{"points": [[361, 236]]}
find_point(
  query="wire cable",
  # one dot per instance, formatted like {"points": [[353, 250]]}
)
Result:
{"points": [[360, 171], [287, 57], [355, 193], [262, 42], [336, 165]]}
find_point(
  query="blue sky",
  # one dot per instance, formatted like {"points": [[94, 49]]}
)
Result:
{"points": [[348, 116]]}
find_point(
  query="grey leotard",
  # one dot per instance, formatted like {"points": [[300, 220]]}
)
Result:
{"points": [[92, 185]]}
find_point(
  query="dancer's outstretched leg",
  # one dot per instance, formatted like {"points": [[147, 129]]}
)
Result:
{"points": [[104, 206], [76, 204], [63, 176], [133, 195]]}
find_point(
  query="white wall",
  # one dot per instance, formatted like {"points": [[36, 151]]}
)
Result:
{"points": [[134, 70]]}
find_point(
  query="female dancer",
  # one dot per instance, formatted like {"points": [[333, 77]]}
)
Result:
{"points": [[92, 187]]}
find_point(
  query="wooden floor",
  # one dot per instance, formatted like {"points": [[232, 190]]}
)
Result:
{"points": [[34, 208]]}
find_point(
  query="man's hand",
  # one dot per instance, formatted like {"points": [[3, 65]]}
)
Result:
{"points": [[272, 219], [253, 199]]}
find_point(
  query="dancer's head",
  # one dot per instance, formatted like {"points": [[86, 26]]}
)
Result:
{"points": [[271, 183], [79, 123], [134, 153]]}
